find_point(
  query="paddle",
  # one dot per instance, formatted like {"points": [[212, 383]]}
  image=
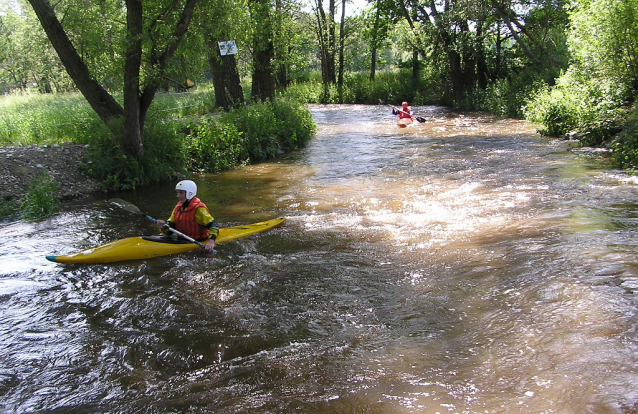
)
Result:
{"points": [[132, 208], [418, 118]]}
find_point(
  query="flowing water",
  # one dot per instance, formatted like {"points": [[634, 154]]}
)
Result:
{"points": [[462, 265]]}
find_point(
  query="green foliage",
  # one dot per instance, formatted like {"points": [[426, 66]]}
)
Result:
{"points": [[40, 201], [164, 157], [388, 86], [46, 119], [590, 99], [7, 207], [258, 124], [507, 97], [175, 141], [604, 39], [270, 127], [591, 107], [625, 145], [295, 126], [57, 118], [212, 143], [28, 61], [216, 146]]}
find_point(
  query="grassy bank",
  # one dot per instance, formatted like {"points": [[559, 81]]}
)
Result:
{"points": [[183, 134]]}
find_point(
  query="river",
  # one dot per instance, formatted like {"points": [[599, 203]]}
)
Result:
{"points": [[461, 265]]}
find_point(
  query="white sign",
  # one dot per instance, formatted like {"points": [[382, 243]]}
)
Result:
{"points": [[228, 48]]}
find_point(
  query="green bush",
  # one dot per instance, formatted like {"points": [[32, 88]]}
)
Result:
{"points": [[212, 143], [593, 108], [625, 145], [294, 123], [40, 201], [388, 86], [267, 128], [7, 207], [215, 146], [165, 156]]}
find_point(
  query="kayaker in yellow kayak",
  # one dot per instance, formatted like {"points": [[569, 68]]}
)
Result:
{"points": [[191, 217]]}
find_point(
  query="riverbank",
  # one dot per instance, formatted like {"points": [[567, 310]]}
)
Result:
{"points": [[20, 166]]}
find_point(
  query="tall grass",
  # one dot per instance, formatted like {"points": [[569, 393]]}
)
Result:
{"points": [[45, 119], [40, 200], [183, 133], [57, 118], [392, 86]]}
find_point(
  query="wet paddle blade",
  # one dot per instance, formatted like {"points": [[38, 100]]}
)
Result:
{"points": [[420, 119], [126, 206]]}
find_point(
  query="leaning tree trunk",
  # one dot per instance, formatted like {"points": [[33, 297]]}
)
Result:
{"points": [[98, 98], [136, 103]]}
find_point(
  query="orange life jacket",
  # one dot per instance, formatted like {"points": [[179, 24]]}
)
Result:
{"points": [[185, 220]]}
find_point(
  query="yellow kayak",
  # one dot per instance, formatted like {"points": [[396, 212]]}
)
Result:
{"points": [[133, 248]]}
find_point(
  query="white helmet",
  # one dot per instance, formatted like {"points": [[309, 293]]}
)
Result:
{"points": [[189, 186]]}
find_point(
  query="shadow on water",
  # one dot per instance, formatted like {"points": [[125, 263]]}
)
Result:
{"points": [[460, 265]]}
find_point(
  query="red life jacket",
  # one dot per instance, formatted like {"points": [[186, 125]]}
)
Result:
{"points": [[404, 113], [185, 220]]}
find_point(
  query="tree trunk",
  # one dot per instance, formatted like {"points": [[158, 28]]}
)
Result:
{"points": [[415, 64], [228, 91], [374, 43], [373, 62], [342, 42], [136, 104], [98, 98], [263, 52], [327, 41], [263, 79], [133, 62], [507, 19]]}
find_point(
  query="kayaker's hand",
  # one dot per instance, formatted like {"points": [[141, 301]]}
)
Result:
{"points": [[210, 246], [160, 223]]}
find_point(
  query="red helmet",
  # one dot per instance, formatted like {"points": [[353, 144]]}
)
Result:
{"points": [[404, 104]]}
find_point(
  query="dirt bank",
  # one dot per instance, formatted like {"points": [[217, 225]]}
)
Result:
{"points": [[19, 166]]}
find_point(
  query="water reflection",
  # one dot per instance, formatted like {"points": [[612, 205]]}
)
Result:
{"points": [[460, 265]]}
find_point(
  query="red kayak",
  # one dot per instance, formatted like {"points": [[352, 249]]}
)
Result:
{"points": [[404, 122]]}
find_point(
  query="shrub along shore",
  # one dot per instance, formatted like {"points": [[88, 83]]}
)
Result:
{"points": [[183, 134]]}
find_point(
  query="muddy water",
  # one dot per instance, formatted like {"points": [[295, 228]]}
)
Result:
{"points": [[462, 265]]}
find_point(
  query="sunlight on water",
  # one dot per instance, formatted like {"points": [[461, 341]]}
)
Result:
{"points": [[460, 265]]}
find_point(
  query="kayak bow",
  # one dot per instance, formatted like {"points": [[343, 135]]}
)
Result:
{"points": [[404, 122], [133, 248]]}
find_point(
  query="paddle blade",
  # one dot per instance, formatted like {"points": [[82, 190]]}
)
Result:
{"points": [[126, 205], [420, 119]]}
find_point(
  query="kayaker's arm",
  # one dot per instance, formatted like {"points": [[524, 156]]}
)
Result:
{"points": [[203, 218]]}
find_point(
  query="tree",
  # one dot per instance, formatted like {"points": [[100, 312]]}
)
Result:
{"points": [[378, 21], [263, 86], [221, 21], [604, 42], [20, 41], [471, 35], [326, 33], [153, 33]]}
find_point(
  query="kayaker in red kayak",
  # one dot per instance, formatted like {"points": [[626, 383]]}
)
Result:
{"points": [[191, 217], [404, 112]]}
